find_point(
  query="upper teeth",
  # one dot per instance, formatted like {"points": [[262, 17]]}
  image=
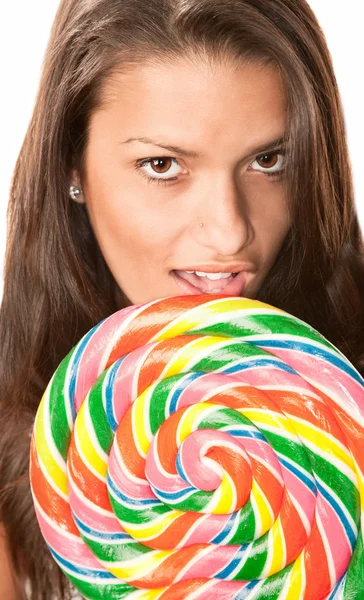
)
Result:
{"points": [[211, 275]]}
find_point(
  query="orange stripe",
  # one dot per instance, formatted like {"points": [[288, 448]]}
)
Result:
{"points": [[181, 591], [169, 539], [295, 404], [57, 509], [92, 488], [317, 573], [294, 532], [167, 447], [158, 358], [244, 397], [126, 444], [269, 485], [350, 428], [238, 469], [149, 322], [164, 574]]}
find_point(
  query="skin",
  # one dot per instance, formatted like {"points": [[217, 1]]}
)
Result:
{"points": [[146, 231]]}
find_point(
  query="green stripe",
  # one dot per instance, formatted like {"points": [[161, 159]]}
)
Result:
{"points": [[99, 420], [338, 482], [61, 432], [266, 325], [136, 516], [245, 532], [115, 552], [256, 560], [295, 451], [227, 355], [354, 585], [101, 592], [273, 586]]}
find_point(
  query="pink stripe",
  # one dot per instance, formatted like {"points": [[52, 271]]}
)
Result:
{"points": [[304, 497], [89, 366], [338, 542], [91, 516], [221, 590], [271, 376], [157, 477], [257, 449], [126, 380], [207, 529], [212, 562], [75, 550], [132, 489], [326, 376]]}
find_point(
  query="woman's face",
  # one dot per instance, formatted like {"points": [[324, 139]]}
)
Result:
{"points": [[182, 178]]}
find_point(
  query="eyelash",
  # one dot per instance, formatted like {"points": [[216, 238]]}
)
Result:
{"points": [[166, 180]]}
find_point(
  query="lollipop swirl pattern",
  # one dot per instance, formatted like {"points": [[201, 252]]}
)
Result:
{"points": [[203, 447]]}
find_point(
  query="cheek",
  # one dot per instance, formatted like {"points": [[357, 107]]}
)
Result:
{"points": [[128, 226]]}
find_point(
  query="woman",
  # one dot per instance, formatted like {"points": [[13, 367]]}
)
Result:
{"points": [[176, 147]]}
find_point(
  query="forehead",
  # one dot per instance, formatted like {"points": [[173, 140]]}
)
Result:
{"points": [[195, 98]]}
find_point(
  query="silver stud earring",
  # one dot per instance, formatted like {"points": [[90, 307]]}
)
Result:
{"points": [[75, 192]]}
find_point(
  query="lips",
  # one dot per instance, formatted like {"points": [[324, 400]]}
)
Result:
{"points": [[193, 284]]}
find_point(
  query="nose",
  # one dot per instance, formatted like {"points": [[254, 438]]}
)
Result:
{"points": [[227, 228]]}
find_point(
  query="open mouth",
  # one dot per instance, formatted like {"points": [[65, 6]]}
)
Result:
{"points": [[196, 282]]}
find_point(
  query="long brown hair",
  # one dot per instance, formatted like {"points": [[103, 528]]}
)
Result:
{"points": [[57, 284]]}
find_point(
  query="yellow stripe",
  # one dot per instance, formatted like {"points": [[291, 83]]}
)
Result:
{"points": [[151, 594], [54, 472], [361, 485], [278, 544], [188, 420], [295, 586], [200, 314], [262, 417], [265, 511], [137, 569], [138, 422], [152, 530], [190, 353], [86, 446], [324, 441], [226, 503]]}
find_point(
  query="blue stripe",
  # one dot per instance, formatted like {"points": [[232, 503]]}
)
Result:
{"points": [[101, 535], [258, 362], [226, 530], [310, 483], [244, 433], [337, 508], [309, 348], [73, 367], [126, 500], [237, 561], [336, 593], [246, 591], [173, 496], [180, 387], [181, 472], [81, 571], [109, 393]]}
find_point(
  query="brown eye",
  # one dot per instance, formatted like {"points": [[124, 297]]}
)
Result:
{"points": [[268, 160], [269, 163], [161, 165]]}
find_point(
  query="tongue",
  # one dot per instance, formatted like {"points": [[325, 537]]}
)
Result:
{"points": [[205, 284]]}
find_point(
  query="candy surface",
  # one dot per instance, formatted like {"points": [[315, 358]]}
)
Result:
{"points": [[203, 448]]}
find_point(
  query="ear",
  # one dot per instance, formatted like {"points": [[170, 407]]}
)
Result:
{"points": [[75, 188]]}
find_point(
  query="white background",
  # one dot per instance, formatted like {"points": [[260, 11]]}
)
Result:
{"points": [[24, 31]]}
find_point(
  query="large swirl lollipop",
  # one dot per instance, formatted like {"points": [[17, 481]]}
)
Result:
{"points": [[203, 448]]}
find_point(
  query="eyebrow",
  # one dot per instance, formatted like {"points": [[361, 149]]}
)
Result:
{"points": [[190, 154]]}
